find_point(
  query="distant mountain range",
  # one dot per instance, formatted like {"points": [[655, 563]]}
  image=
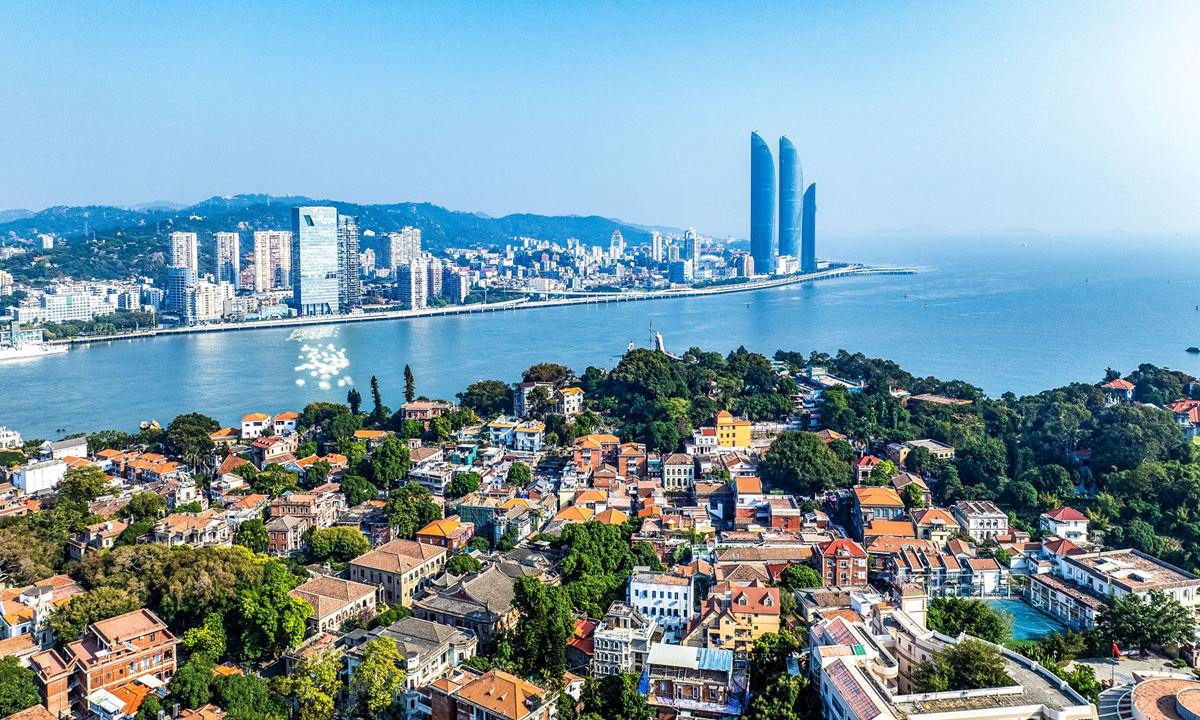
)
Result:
{"points": [[440, 228]]}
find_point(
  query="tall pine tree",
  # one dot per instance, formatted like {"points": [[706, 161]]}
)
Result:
{"points": [[410, 385], [379, 414], [354, 399]]}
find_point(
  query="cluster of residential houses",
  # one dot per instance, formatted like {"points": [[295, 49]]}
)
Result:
{"points": [[686, 631]]}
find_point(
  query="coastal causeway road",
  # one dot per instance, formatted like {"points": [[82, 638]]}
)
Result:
{"points": [[553, 299]]}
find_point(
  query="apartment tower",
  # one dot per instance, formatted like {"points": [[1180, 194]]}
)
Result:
{"points": [[315, 260]]}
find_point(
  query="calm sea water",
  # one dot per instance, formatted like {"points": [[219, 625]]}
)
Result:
{"points": [[1019, 313]]}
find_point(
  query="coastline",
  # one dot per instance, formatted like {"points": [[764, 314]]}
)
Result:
{"points": [[589, 299]]}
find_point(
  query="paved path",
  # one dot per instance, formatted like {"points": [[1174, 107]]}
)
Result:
{"points": [[1122, 673]]}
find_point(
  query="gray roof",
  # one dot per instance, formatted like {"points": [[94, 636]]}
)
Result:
{"points": [[415, 637], [490, 588], [68, 443]]}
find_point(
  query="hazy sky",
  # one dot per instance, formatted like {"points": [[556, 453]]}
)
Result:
{"points": [[1065, 117]]}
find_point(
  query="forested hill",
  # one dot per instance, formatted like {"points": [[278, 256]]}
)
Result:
{"points": [[440, 228]]}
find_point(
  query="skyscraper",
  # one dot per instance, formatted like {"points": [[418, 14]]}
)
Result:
{"points": [[616, 245], [656, 247], [315, 260], [412, 278], [349, 277], [808, 255], [183, 270], [762, 205], [691, 246], [184, 251], [229, 259], [272, 259], [791, 189], [398, 248]]}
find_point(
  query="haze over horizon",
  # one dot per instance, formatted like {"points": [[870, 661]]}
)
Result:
{"points": [[1068, 119]]}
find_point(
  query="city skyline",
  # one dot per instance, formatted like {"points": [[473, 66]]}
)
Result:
{"points": [[961, 118]]}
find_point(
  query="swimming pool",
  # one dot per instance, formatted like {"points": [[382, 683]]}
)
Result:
{"points": [[1029, 623]]}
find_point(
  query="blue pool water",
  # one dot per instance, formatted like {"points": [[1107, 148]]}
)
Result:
{"points": [[1029, 623]]}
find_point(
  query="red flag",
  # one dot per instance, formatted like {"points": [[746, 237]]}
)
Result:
{"points": [[1116, 650]]}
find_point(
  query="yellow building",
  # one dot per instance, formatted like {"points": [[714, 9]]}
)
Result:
{"points": [[732, 432], [733, 618]]}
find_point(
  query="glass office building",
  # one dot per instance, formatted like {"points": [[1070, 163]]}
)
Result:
{"points": [[762, 205], [315, 260], [808, 252], [791, 198]]}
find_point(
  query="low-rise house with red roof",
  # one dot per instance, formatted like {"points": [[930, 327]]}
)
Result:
{"points": [[494, 695], [875, 503], [277, 449], [934, 524], [841, 563], [449, 533], [733, 617], [286, 423], [400, 569], [424, 411], [334, 601], [863, 467], [1118, 391], [101, 536], [25, 611], [205, 529], [129, 648], [1067, 523], [254, 424]]}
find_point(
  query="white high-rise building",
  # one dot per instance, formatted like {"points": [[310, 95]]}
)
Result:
{"points": [[400, 247], [229, 262], [412, 279], [433, 285], [349, 279], [206, 301], [656, 247], [616, 245], [272, 259], [184, 251]]}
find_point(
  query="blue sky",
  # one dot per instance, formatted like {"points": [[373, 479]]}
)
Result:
{"points": [[965, 117]]}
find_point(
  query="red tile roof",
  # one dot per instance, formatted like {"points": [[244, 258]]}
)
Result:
{"points": [[1067, 514]]}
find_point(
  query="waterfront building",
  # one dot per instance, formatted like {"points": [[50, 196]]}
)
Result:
{"points": [[762, 205], [315, 260], [398, 247], [656, 247], [681, 272], [616, 245], [808, 240], [456, 284], [60, 307], [691, 246], [205, 301], [349, 273], [433, 277], [229, 259], [411, 283], [184, 251], [179, 279], [272, 259], [791, 198]]}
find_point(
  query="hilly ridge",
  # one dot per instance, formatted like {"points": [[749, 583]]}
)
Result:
{"points": [[440, 227]]}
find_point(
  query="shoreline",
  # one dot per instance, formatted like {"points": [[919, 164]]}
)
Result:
{"points": [[590, 299]]}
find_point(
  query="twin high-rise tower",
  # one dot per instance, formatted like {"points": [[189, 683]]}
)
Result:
{"points": [[797, 208]]}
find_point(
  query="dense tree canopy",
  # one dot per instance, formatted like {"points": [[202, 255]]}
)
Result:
{"points": [[954, 615], [803, 463]]}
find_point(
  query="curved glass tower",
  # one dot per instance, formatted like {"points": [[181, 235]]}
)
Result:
{"points": [[762, 206], [808, 253], [791, 200]]}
